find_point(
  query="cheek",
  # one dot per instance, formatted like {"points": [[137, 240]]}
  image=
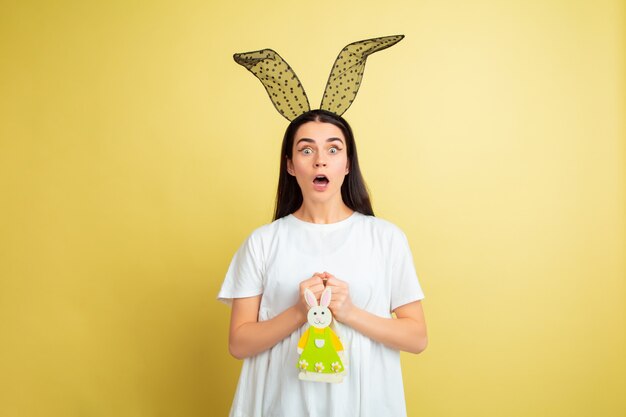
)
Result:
{"points": [[340, 165], [298, 167], [298, 163]]}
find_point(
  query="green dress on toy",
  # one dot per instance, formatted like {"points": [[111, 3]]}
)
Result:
{"points": [[320, 347]]}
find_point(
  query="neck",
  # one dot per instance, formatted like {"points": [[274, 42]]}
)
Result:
{"points": [[323, 213]]}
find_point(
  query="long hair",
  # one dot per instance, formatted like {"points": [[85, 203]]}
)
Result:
{"points": [[353, 190]]}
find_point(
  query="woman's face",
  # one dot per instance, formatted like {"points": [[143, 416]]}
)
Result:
{"points": [[320, 161]]}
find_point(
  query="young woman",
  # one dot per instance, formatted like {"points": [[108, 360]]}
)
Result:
{"points": [[324, 235]]}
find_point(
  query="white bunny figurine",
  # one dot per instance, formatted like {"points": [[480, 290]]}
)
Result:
{"points": [[321, 351]]}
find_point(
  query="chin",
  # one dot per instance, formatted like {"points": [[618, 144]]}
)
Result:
{"points": [[328, 193], [321, 197]]}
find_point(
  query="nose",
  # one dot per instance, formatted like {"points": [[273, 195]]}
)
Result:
{"points": [[320, 162]]}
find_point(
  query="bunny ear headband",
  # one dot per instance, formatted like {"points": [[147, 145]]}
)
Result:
{"points": [[284, 87]]}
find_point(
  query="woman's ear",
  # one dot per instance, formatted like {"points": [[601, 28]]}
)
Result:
{"points": [[348, 167], [290, 169]]}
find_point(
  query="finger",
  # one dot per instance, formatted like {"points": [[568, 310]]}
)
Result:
{"points": [[311, 281], [322, 276], [334, 305], [316, 289], [334, 282], [334, 309], [338, 301], [340, 293], [317, 284]]}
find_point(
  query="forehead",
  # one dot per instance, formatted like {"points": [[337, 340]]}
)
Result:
{"points": [[318, 131]]}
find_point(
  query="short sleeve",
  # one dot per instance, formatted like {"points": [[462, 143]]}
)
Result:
{"points": [[245, 273], [405, 286]]}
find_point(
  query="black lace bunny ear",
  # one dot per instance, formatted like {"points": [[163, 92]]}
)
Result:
{"points": [[279, 80], [345, 77]]}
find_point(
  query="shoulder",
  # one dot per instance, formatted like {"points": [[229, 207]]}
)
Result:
{"points": [[267, 232], [381, 228], [269, 229]]}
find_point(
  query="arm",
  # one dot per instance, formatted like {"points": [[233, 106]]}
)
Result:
{"points": [[249, 337], [406, 332]]}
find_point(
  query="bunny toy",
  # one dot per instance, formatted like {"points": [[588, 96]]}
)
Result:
{"points": [[321, 351]]}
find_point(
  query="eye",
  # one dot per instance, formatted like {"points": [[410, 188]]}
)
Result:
{"points": [[322, 312], [314, 313], [307, 151], [333, 150]]}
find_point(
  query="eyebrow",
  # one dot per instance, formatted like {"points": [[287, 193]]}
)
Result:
{"points": [[308, 140]]}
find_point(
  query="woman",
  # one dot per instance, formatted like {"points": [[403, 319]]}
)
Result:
{"points": [[324, 235]]}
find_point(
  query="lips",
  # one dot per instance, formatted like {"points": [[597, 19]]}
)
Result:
{"points": [[320, 179], [320, 182]]}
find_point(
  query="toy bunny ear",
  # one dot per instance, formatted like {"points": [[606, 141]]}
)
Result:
{"points": [[345, 77], [279, 80], [309, 297], [326, 296]]}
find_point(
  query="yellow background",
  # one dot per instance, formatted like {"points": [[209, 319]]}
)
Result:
{"points": [[135, 157]]}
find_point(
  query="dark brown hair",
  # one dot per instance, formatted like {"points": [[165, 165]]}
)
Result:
{"points": [[353, 190]]}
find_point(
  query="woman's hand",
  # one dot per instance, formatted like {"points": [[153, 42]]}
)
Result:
{"points": [[316, 285], [406, 332], [341, 304], [249, 337]]}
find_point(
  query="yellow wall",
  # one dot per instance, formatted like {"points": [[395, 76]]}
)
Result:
{"points": [[135, 156]]}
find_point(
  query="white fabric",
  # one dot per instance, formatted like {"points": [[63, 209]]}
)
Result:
{"points": [[374, 257]]}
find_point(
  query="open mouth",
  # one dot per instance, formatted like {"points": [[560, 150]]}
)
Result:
{"points": [[321, 180]]}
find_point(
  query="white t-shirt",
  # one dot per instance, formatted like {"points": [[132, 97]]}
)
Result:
{"points": [[369, 253]]}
